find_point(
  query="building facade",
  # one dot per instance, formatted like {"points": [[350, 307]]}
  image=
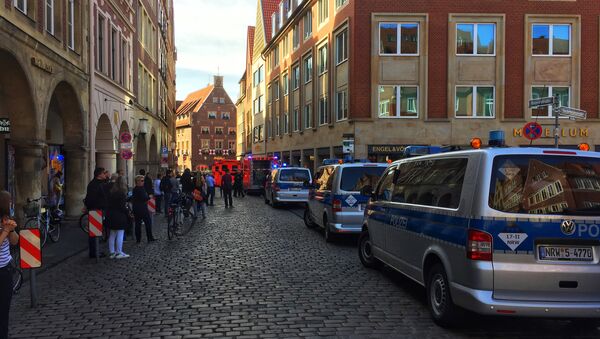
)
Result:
{"points": [[244, 103], [389, 74], [206, 128]]}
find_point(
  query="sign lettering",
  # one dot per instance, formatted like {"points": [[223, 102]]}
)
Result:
{"points": [[4, 125], [564, 132]]}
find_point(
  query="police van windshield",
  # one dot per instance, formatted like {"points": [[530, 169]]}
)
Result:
{"points": [[294, 175], [355, 178], [540, 184]]}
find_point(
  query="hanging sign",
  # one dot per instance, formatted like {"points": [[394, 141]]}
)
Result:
{"points": [[4, 125]]}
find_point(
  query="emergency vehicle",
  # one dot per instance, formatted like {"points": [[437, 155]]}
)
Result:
{"points": [[497, 231], [255, 171], [219, 167]]}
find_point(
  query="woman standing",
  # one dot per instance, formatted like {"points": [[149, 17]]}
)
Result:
{"points": [[203, 188], [139, 200], [8, 237], [158, 193], [117, 218]]}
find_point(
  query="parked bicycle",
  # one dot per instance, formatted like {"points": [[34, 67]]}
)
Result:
{"points": [[47, 219], [182, 215]]}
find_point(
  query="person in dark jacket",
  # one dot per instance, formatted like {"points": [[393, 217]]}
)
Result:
{"points": [[95, 199], [187, 184], [139, 200], [148, 186], [238, 185], [227, 187], [117, 218]]}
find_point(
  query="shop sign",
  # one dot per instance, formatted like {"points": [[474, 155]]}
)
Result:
{"points": [[4, 125], [41, 64], [564, 132], [385, 149]]}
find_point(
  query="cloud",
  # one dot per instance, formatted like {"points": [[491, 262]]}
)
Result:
{"points": [[210, 36]]}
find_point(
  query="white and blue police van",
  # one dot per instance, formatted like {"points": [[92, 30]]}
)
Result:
{"points": [[496, 231]]}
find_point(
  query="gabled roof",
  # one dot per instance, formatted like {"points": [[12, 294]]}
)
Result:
{"points": [[194, 101], [268, 8]]}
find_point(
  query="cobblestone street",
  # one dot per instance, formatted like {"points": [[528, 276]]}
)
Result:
{"points": [[250, 271]]}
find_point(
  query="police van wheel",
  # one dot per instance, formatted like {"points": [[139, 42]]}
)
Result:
{"points": [[307, 219], [439, 301], [274, 203], [365, 251], [329, 236]]}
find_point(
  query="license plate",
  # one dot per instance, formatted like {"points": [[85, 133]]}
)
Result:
{"points": [[565, 253], [295, 188]]}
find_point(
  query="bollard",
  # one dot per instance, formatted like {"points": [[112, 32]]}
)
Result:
{"points": [[31, 257], [95, 229]]}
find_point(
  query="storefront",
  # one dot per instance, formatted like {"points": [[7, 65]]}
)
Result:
{"points": [[383, 153]]}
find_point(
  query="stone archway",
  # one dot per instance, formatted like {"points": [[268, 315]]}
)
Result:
{"points": [[22, 152], [106, 153], [140, 157], [65, 140], [154, 161]]}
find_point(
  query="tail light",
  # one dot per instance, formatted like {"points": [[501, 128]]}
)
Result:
{"points": [[337, 205], [479, 246], [275, 188]]}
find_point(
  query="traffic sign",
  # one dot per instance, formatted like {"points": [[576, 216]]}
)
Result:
{"points": [[125, 137], [126, 154], [30, 249], [542, 102], [532, 130], [164, 150], [572, 113], [126, 145]]}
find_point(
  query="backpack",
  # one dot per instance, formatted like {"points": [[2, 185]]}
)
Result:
{"points": [[165, 185]]}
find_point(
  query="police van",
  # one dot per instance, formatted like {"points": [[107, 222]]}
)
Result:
{"points": [[497, 231], [287, 185], [336, 202]]}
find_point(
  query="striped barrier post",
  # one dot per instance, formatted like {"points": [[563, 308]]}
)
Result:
{"points": [[31, 257], [152, 205], [95, 228]]}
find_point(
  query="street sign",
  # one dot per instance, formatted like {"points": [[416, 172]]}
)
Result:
{"points": [[541, 102], [572, 113], [125, 137], [126, 154], [30, 249], [348, 146], [164, 150], [164, 162], [126, 145], [4, 125], [532, 130]]}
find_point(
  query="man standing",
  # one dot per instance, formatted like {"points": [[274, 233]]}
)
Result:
{"points": [[210, 182], [227, 187], [238, 185], [95, 199], [147, 182]]}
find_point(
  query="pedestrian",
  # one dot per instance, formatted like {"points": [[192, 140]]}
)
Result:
{"points": [[96, 200], [158, 192], [200, 194], [210, 183], [238, 185], [166, 188], [139, 200], [8, 237], [57, 190], [148, 186], [117, 218], [227, 187], [187, 188]]}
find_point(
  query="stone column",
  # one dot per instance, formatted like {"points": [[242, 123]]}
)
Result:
{"points": [[107, 160], [76, 179], [29, 160]]}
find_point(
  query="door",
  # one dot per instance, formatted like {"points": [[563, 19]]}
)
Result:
{"points": [[322, 196], [378, 216]]}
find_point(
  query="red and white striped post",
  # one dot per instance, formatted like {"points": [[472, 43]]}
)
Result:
{"points": [[152, 205], [31, 257], [95, 228]]}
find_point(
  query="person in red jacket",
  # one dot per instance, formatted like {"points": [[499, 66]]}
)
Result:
{"points": [[227, 187]]}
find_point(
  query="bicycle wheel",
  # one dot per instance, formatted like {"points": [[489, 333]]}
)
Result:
{"points": [[171, 226], [83, 223], [32, 223], [54, 232]]}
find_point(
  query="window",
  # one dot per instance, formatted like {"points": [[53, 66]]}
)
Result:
{"points": [[212, 115], [113, 54], [391, 107], [308, 68], [474, 102], [277, 125], [285, 84], [286, 45], [21, 5], [340, 3], [323, 112], [286, 123], [219, 144], [476, 39], [308, 116], [124, 63], [308, 25], [71, 24], [295, 117], [551, 40], [219, 130], [399, 39], [261, 103], [231, 131], [226, 116], [296, 77], [100, 43], [296, 37], [221, 100], [341, 46], [323, 59], [276, 56], [323, 10], [386, 186], [258, 76], [341, 105], [205, 143], [273, 24], [563, 93], [231, 145], [50, 16], [205, 130]]}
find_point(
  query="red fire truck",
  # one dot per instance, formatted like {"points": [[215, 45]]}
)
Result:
{"points": [[218, 169], [255, 171]]}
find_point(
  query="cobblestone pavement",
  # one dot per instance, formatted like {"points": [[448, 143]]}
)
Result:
{"points": [[250, 271]]}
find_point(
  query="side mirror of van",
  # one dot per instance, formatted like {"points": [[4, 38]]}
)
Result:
{"points": [[367, 190]]}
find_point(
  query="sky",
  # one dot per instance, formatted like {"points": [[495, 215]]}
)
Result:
{"points": [[210, 37]]}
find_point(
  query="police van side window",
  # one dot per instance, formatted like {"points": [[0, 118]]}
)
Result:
{"points": [[324, 178], [386, 186], [435, 183]]}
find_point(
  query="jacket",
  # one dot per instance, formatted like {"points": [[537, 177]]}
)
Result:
{"points": [[95, 198], [139, 200], [226, 182], [117, 214], [148, 185]]}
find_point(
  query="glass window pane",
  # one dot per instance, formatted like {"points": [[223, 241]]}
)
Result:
{"points": [[485, 38], [387, 101], [485, 101], [464, 101], [388, 38], [409, 35], [536, 93], [541, 39], [563, 95], [408, 102], [464, 39], [560, 39]]}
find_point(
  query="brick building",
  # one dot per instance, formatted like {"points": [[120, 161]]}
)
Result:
{"points": [[206, 127], [395, 73]]}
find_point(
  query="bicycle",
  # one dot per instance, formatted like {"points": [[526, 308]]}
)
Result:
{"points": [[47, 221], [181, 214]]}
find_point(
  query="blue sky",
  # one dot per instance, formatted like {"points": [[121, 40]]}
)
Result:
{"points": [[210, 36]]}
